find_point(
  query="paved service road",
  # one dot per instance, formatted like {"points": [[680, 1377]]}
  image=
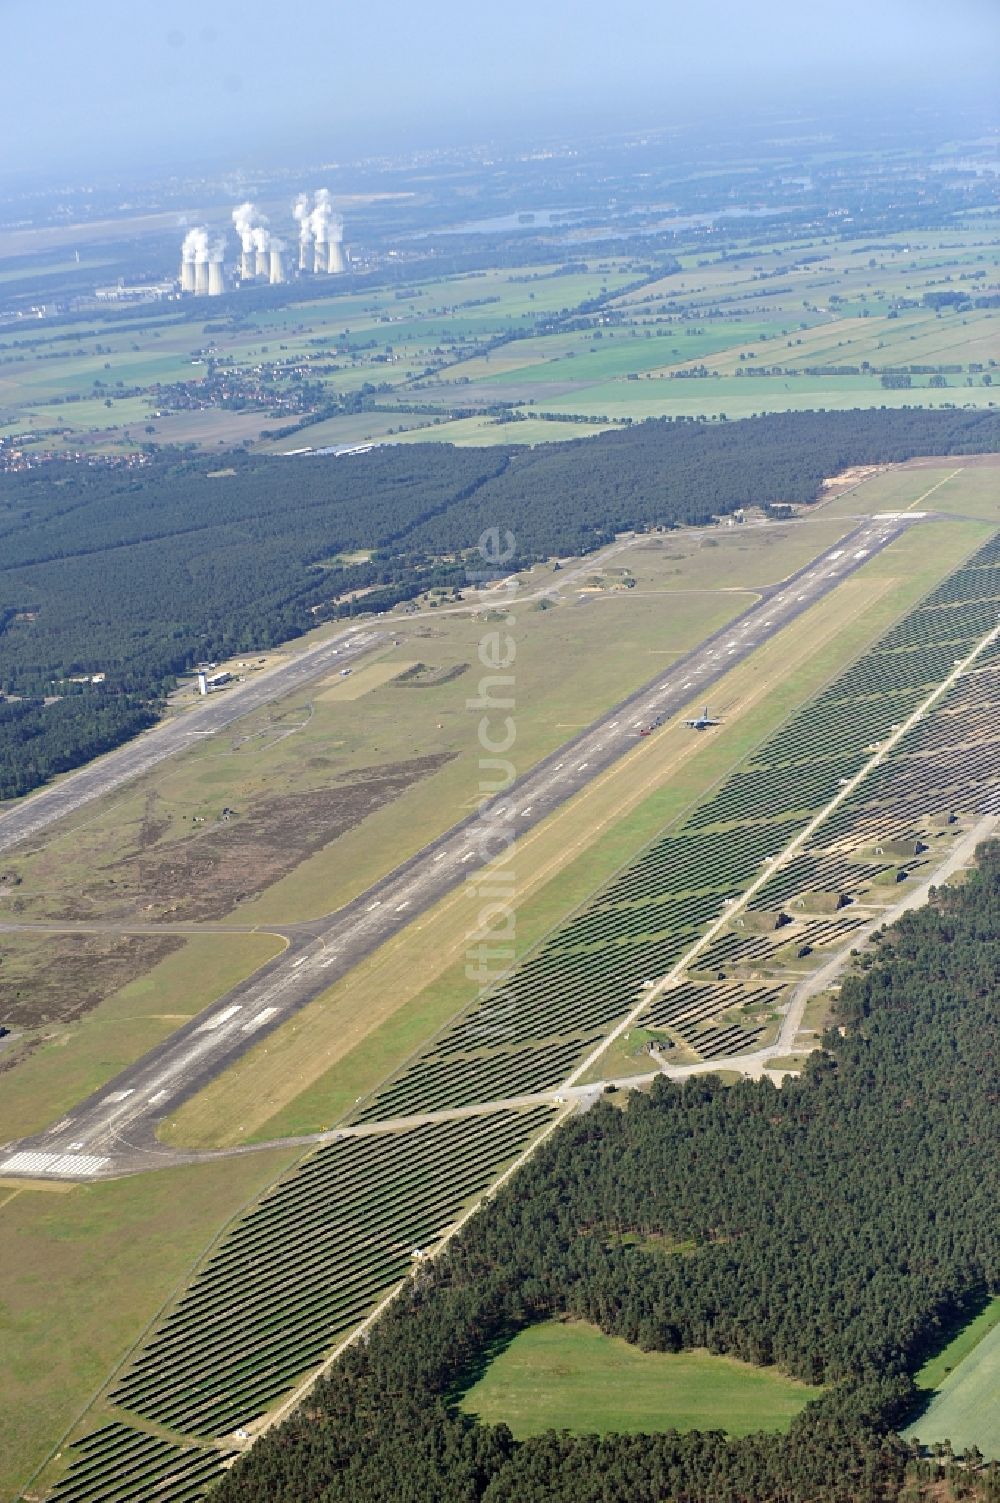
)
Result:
{"points": [[218, 710], [113, 1131]]}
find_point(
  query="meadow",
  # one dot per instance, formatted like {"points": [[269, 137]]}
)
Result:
{"points": [[568, 1375]]}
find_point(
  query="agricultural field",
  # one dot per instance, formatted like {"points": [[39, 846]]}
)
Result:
{"points": [[567, 1375], [106, 387], [963, 1382], [499, 355], [782, 327]]}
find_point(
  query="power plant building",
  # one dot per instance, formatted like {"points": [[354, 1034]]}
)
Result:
{"points": [[262, 258]]}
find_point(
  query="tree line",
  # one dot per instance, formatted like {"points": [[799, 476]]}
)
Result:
{"points": [[139, 574]]}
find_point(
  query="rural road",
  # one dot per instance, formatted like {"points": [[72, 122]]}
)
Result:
{"points": [[113, 1131]]}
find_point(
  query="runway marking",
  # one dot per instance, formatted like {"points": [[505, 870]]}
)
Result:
{"points": [[220, 1018], [120, 1095], [262, 1017], [53, 1163]]}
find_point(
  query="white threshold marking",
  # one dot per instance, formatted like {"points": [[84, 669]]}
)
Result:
{"points": [[219, 1019], [158, 1097], [259, 1020], [52, 1163], [120, 1095]]}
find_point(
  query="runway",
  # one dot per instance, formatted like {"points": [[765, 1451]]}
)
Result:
{"points": [[114, 1131], [33, 814]]}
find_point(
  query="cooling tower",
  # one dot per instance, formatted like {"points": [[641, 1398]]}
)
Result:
{"points": [[303, 255], [336, 262], [246, 266], [216, 280], [261, 266], [277, 268], [320, 256], [201, 278], [187, 276]]}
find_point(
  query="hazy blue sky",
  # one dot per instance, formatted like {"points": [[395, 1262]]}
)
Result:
{"points": [[104, 81]]}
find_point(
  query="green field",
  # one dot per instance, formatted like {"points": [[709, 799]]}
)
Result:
{"points": [[725, 335], [570, 1376], [964, 1381]]}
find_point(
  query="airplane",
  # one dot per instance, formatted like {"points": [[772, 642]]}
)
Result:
{"points": [[703, 721]]}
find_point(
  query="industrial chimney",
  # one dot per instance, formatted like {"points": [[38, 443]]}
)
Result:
{"points": [[245, 217], [261, 241], [319, 227], [300, 211], [193, 248]]}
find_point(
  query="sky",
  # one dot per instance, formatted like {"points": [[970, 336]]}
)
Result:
{"points": [[98, 84]]}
